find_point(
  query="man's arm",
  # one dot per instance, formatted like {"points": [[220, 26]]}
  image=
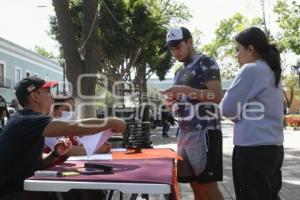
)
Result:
{"points": [[58, 155], [83, 127], [49, 160], [213, 93], [77, 150]]}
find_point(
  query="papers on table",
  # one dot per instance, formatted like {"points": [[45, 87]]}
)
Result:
{"points": [[51, 142], [118, 149], [92, 143], [107, 156]]}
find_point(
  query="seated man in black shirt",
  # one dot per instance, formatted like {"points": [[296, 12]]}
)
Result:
{"points": [[22, 139]]}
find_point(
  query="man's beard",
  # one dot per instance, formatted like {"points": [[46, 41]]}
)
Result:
{"points": [[188, 59]]}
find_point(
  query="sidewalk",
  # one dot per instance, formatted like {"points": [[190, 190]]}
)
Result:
{"points": [[290, 170]]}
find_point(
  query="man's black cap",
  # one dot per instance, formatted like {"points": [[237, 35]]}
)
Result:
{"points": [[29, 84]]}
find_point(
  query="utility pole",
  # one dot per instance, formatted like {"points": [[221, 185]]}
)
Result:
{"points": [[64, 78]]}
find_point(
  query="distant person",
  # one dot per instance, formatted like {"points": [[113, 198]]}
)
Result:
{"points": [[22, 139], [254, 102], [167, 120], [195, 93], [4, 114]]}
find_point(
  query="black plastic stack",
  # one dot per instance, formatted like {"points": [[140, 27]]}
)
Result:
{"points": [[137, 134]]}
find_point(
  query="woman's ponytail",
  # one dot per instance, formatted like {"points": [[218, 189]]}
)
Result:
{"points": [[272, 57]]}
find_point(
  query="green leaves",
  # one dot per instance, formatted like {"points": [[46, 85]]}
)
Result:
{"points": [[222, 47], [288, 19], [131, 33]]}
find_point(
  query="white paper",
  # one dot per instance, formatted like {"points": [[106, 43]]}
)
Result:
{"points": [[92, 143], [106, 156], [118, 150], [51, 142]]}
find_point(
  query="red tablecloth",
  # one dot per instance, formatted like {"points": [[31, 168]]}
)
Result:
{"points": [[157, 170], [150, 166]]}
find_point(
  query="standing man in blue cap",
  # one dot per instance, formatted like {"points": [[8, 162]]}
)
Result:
{"points": [[194, 97]]}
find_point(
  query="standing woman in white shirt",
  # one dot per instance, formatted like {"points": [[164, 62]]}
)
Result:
{"points": [[254, 102]]}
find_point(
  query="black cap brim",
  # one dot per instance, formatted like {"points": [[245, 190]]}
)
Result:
{"points": [[172, 43]]}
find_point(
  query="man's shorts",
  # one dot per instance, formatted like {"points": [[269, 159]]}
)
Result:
{"points": [[202, 156]]}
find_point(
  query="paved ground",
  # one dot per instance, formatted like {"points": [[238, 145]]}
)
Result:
{"points": [[291, 171]]}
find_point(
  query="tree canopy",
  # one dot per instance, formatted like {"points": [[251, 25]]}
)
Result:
{"points": [[288, 19], [114, 37], [129, 33], [222, 47]]}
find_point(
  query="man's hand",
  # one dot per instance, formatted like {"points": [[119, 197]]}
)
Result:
{"points": [[169, 101], [117, 125], [62, 146], [212, 93], [176, 91], [106, 147]]}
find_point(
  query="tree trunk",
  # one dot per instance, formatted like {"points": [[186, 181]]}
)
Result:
{"points": [[91, 56], [288, 101], [85, 61], [142, 80], [68, 42]]}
